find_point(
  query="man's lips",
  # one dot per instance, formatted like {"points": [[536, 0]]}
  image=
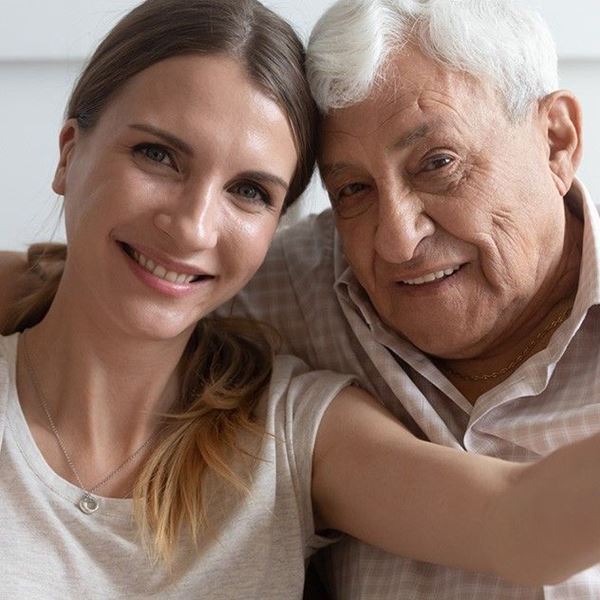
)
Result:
{"points": [[432, 275]]}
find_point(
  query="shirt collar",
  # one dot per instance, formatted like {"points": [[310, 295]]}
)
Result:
{"points": [[580, 203]]}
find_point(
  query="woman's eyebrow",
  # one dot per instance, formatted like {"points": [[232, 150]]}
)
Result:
{"points": [[184, 147], [171, 139], [263, 176]]}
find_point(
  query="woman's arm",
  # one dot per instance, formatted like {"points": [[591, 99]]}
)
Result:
{"points": [[12, 266], [533, 524]]}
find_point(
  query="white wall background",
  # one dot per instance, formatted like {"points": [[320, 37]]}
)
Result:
{"points": [[43, 44]]}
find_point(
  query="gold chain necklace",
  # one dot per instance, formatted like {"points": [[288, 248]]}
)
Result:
{"points": [[520, 358], [88, 503]]}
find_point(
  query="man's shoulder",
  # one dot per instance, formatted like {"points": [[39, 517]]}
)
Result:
{"points": [[307, 243], [13, 265], [301, 251], [295, 281]]}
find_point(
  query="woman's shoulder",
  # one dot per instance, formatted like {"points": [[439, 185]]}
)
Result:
{"points": [[300, 392], [8, 357], [288, 370]]}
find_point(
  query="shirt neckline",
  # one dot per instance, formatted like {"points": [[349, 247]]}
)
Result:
{"points": [[63, 491]]}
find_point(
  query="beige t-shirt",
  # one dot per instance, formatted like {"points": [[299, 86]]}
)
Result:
{"points": [[50, 549]]}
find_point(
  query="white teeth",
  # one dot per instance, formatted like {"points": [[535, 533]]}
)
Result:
{"points": [[430, 277], [160, 271]]}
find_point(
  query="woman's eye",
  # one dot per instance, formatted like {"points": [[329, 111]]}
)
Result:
{"points": [[155, 153], [251, 193], [438, 162]]}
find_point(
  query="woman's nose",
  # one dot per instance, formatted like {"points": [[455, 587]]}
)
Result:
{"points": [[193, 221]]}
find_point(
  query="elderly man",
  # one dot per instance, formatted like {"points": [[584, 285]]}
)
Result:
{"points": [[458, 272]]}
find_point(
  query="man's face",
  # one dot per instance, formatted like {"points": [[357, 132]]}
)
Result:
{"points": [[448, 212]]}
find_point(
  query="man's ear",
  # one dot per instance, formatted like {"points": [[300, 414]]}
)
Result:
{"points": [[67, 139], [561, 112]]}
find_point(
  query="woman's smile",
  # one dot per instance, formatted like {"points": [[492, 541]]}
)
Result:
{"points": [[159, 277], [190, 207]]}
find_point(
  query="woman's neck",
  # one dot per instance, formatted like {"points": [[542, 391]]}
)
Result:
{"points": [[104, 388]]}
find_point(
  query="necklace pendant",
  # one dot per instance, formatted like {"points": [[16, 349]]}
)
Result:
{"points": [[88, 504]]}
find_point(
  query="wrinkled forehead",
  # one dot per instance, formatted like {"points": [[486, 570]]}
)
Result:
{"points": [[413, 88]]}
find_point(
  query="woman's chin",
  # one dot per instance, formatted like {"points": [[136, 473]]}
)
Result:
{"points": [[146, 321], [162, 328]]}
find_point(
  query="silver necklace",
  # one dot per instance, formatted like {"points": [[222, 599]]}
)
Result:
{"points": [[88, 503]]}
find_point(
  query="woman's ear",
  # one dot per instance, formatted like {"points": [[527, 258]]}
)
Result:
{"points": [[562, 115], [67, 139]]}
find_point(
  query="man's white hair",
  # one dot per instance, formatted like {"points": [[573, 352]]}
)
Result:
{"points": [[502, 40]]}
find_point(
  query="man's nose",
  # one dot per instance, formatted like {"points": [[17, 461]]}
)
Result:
{"points": [[402, 224], [192, 221]]}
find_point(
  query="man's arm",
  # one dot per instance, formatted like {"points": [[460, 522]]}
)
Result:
{"points": [[12, 266], [533, 524]]}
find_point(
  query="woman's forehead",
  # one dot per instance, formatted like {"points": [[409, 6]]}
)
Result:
{"points": [[211, 105]]}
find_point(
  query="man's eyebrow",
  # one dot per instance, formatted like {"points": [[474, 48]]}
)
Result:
{"points": [[333, 169], [407, 139], [171, 139], [412, 136]]}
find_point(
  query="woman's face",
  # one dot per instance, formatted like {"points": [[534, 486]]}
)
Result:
{"points": [[172, 199]]}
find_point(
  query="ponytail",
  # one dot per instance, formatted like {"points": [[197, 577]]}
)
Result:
{"points": [[224, 370]]}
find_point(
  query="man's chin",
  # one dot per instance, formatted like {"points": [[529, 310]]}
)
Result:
{"points": [[447, 344]]}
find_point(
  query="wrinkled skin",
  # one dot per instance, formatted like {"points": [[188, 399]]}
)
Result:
{"points": [[429, 174]]}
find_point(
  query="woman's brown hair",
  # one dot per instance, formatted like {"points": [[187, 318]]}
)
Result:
{"points": [[243, 29], [227, 363]]}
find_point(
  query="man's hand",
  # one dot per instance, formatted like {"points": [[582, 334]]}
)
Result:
{"points": [[13, 265]]}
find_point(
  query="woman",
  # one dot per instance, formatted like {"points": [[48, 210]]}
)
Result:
{"points": [[188, 133]]}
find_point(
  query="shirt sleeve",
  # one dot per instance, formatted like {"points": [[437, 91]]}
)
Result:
{"points": [[301, 397]]}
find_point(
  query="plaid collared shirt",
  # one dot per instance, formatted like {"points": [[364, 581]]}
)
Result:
{"points": [[307, 292]]}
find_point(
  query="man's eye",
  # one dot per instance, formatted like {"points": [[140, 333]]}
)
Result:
{"points": [[155, 153], [350, 190], [438, 162], [351, 199]]}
